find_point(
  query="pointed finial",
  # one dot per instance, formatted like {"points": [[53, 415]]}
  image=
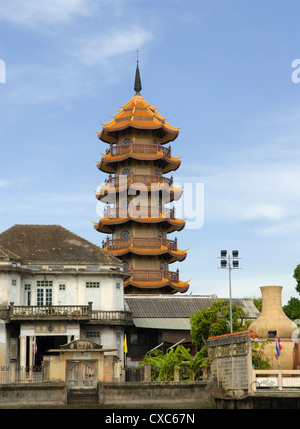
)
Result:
{"points": [[137, 82]]}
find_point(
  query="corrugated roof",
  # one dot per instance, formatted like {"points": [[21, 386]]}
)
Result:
{"points": [[52, 244], [162, 323], [180, 306]]}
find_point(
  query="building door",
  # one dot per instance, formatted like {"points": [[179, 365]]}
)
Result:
{"points": [[81, 374]]}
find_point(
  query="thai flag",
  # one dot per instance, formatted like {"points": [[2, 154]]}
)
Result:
{"points": [[34, 346], [278, 347]]}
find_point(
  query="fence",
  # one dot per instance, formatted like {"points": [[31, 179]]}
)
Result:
{"points": [[275, 379], [134, 374], [17, 374]]}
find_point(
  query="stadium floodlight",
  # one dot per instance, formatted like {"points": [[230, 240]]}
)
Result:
{"points": [[231, 263]]}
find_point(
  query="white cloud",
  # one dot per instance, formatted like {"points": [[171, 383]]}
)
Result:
{"points": [[99, 49], [265, 192], [36, 12]]}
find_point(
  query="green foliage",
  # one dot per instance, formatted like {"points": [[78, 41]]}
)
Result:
{"points": [[292, 308], [215, 320], [162, 366], [258, 359], [258, 303], [297, 277]]}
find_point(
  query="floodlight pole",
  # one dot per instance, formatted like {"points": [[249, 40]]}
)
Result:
{"points": [[226, 258], [230, 298]]}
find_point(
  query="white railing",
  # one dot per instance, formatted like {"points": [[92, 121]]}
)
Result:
{"points": [[275, 379]]}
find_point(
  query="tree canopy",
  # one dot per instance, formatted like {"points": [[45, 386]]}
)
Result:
{"points": [[215, 320], [292, 309]]}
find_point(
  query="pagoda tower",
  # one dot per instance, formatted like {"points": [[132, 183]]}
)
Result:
{"points": [[136, 193]]}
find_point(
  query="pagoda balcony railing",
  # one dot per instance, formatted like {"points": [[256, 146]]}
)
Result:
{"points": [[139, 242], [135, 212], [147, 180], [154, 275], [136, 148]]}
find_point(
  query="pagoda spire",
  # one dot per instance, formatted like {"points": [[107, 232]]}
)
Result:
{"points": [[137, 81]]}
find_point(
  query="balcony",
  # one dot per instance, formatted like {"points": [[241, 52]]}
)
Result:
{"points": [[83, 313], [111, 317], [138, 149], [139, 242], [154, 275], [50, 312], [148, 180], [136, 212]]}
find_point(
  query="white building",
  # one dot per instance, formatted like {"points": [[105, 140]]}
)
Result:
{"points": [[56, 287]]}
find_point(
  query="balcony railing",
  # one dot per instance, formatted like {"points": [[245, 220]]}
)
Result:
{"points": [[136, 212], [112, 317], [139, 242], [148, 180], [139, 149], [49, 311], [154, 275], [62, 312]]}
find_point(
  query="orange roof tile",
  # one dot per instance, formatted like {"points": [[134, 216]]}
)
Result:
{"points": [[177, 254], [139, 114], [249, 331], [105, 221], [172, 163], [178, 286], [175, 193]]}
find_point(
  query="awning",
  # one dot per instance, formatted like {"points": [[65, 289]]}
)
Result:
{"points": [[162, 323]]}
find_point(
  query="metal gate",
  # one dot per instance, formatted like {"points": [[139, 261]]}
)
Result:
{"points": [[81, 374]]}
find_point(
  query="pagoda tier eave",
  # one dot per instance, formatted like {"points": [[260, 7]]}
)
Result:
{"points": [[111, 135], [176, 287], [108, 164], [107, 225], [175, 256], [174, 193]]}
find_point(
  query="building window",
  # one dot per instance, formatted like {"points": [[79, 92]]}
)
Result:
{"points": [[162, 266], [13, 291], [124, 234], [92, 285], [44, 292], [27, 294], [118, 296], [94, 336], [62, 287]]}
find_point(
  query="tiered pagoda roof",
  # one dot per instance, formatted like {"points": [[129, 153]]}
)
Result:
{"points": [[139, 114]]}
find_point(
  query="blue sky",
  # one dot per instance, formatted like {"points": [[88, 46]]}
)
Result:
{"points": [[221, 70]]}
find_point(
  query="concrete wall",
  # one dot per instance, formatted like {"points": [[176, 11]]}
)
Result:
{"points": [[180, 395], [167, 395], [26, 395]]}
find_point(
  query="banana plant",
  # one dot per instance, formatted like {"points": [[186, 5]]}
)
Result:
{"points": [[189, 367]]}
